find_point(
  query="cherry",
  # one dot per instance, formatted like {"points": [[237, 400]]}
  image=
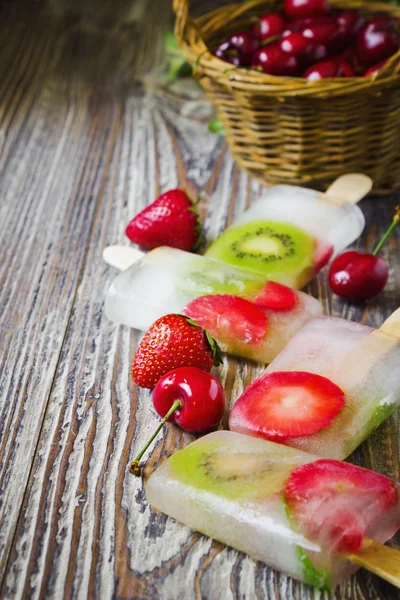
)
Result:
{"points": [[325, 32], [306, 8], [189, 397], [350, 23], [326, 69], [273, 61], [375, 68], [245, 43], [270, 25], [376, 42], [230, 55], [359, 276]]}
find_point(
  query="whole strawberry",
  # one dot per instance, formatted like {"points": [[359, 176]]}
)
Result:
{"points": [[173, 341], [171, 220]]}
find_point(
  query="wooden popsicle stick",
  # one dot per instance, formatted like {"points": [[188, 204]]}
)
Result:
{"points": [[392, 324], [348, 189], [373, 346], [379, 559], [121, 257]]}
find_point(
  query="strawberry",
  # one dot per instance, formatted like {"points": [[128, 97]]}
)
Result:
{"points": [[171, 220], [229, 318], [336, 503], [276, 297], [283, 405], [322, 255], [173, 341]]}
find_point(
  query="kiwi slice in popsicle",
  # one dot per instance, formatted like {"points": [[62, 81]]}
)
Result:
{"points": [[233, 475], [278, 251]]}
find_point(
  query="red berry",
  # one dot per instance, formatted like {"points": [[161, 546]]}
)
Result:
{"points": [[283, 405], [322, 255], [276, 296], [322, 32], [230, 55], [229, 319], [336, 503], [306, 8], [358, 276], [376, 42], [375, 68], [200, 393], [273, 61], [270, 25], [296, 45], [350, 22], [325, 69], [172, 341], [169, 221], [345, 70]]}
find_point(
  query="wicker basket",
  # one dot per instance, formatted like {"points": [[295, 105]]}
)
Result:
{"points": [[289, 130]]}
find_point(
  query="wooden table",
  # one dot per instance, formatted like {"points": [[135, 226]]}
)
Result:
{"points": [[87, 141]]}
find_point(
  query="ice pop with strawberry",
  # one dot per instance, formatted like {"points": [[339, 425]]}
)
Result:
{"points": [[314, 519], [328, 390], [249, 316]]}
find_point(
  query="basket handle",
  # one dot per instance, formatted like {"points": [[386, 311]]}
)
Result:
{"points": [[181, 10]]}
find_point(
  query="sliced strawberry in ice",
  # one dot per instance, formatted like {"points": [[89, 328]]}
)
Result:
{"points": [[229, 317], [322, 255], [276, 297], [335, 503], [283, 405]]}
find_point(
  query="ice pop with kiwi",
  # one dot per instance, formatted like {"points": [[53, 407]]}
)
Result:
{"points": [[248, 316], [308, 517], [291, 233], [328, 390]]}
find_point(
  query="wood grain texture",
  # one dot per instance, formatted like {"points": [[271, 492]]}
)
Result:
{"points": [[82, 150]]}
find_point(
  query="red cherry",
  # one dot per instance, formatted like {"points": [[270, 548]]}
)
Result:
{"points": [[350, 22], [326, 69], [325, 32], [376, 42], [269, 25], [345, 70], [191, 398], [244, 42], [273, 61], [201, 396], [230, 55], [296, 45], [306, 8], [375, 68], [357, 276]]}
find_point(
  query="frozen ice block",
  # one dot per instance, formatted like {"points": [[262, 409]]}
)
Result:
{"points": [[292, 510], [361, 361], [166, 280], [288, 235]]}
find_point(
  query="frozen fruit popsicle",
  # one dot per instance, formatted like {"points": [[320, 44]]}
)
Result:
{"points": [[332, 385], [291, 233], [219, 297], [296, 512]]}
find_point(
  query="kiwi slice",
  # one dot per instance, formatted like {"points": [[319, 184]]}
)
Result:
{"points": [[210, 277], [279, 251], [233, 475]]}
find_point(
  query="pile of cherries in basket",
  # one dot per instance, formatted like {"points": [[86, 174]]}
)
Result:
{"points": [[309, 40]]}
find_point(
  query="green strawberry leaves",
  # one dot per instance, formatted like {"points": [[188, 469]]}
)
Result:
{"points": [[216, 350]]}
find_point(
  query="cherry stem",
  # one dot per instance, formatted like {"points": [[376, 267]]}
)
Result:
{"points": [[393, 225], [135, 468]]}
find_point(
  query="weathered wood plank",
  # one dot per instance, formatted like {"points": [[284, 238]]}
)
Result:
{"points": [[74, 170]]}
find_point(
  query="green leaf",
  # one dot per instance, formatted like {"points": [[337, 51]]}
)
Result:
{"points": [[216, 126], [177, 63]]}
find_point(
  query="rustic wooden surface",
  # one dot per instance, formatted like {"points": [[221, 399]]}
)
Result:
{"points": [[88, 139]]}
